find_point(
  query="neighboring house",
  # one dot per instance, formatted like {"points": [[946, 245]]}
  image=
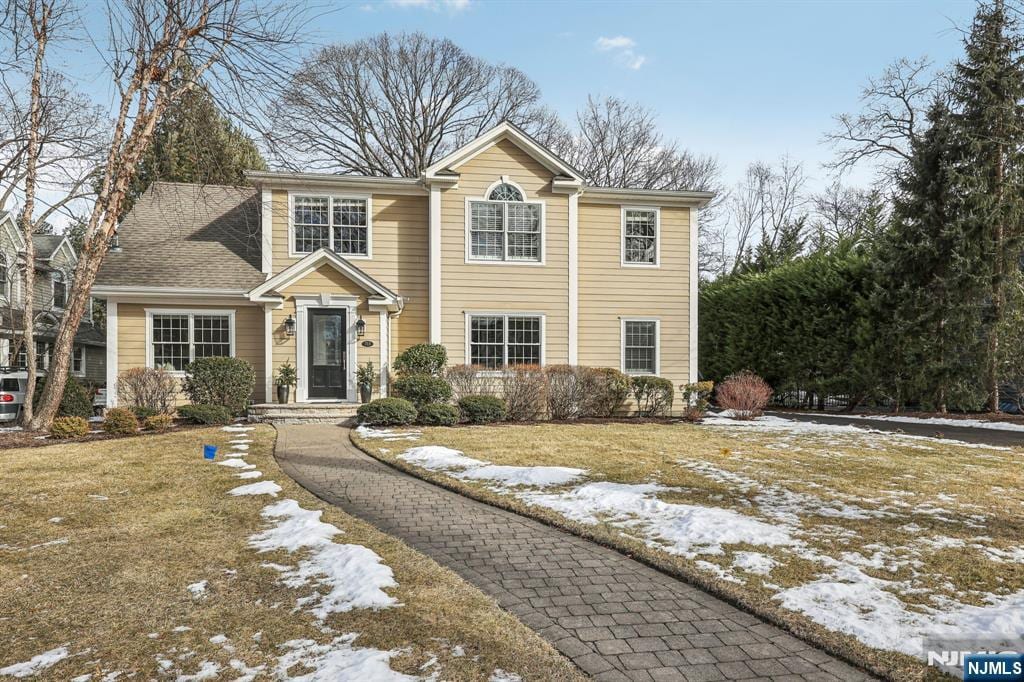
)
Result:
{"points": [[499, 251], [55, 261]]}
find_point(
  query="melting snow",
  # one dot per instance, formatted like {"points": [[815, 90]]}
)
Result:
{"points": [[249, 474], [500, 675], [753, 562], [439, 458], [338, 660], [261, 488], [37, 663], [354, 575], [198, 590], [387, 434], [236, 463]]}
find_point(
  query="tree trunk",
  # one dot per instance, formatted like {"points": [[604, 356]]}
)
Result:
{"points": [[992, 369]]}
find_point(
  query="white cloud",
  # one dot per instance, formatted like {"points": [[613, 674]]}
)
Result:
{"points": [[434, 5], [622, 50]]}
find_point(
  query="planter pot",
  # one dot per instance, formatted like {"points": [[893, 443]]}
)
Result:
{"points": [[365, 393], [282, 394]]}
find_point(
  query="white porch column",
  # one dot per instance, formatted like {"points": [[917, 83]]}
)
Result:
{"points": [[268, 351], [111, 353], [693, 294], [574, 281], [385, 351], [435, 263]]}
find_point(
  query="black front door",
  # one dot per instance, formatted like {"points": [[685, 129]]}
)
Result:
{"points": [[327, 375]]}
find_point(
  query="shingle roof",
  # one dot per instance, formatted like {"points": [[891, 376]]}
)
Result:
{"points": [[46, 244], [191, 236]]}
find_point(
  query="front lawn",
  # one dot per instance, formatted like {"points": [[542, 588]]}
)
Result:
{"points": [[137, 558], [861, 541]]}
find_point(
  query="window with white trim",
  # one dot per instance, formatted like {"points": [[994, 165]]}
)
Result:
{"points": [[497, 341], [505, 227], [338, 224], [5, 277], [640, 236], [640, 346], [60, 289], [78, 360], [180, 338]]}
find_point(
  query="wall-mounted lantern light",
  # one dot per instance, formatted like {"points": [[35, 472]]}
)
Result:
{"points": [[360, 326], [289, 326]]}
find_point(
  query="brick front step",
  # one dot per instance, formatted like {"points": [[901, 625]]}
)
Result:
{"points": [[302, 413]]}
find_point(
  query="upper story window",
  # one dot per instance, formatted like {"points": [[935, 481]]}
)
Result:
{"points": [[640, 235], [5, 277], [60, 289], [505, 227], [339, 224]]}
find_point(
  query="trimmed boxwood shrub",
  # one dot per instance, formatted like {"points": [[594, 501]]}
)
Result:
{"points": [[159, 423], [483, 409], [69, 427], [423, 358], [220, 381], [653, 395], [143, 413], [422, 389], [438, 414], [387, 412], [213, 415], [120, 420], [610, 390]]}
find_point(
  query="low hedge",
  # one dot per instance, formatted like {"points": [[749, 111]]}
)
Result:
{"points": [[438, 414], [483, 409], [653, 395], [213, 415], [159, 423], [227, 382], [120, 420], [422, 389], [69, 427], [387, 412]]}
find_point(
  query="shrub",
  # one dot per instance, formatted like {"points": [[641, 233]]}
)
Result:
{"points": [[206, 414], [744, 393], [423, 358], [438, 414], [76, 401], [422, 389], [568, 389], [69, 427], [653, 396], [143, 413], [465, 380], [483, 409], [220, 381], [610, 390], [147, 388], [120, 420], [159, 423], [696, 396], [387, 412], [523, 388]]}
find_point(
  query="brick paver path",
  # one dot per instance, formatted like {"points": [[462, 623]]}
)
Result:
{"points": [[614, 617]]}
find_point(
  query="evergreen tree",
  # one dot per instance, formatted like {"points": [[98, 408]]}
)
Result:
{"points": [[195, 142], [988, 91], [922, 331]]}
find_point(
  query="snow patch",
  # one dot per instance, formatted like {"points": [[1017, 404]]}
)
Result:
{"points": [[753, 562], [500, 675], [261, 488], [249, 474], [355, 576], [208, 670], [237, 464], [37, 663], [198, 590], [387, 434], [937, 421], [440, 458], [338, 660]]}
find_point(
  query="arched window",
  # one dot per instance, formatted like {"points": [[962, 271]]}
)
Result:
{"points": [[506, 192], [60, 289]]}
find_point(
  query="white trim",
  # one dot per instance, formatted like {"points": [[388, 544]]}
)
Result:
{"points": [[435, 264], [657, 345], [470, 260], [334, 182], [13, 231], [155, 292], [191, 312], [662, 197], [302, 306], [267, 228], [469, 314], [385, 344], [694, 295], [331, 196], [505, 180], [657, 237], [268, 352], [502, 131], [111, 353], [574, 278], [310, 262], [66, 245], [53, 288]]}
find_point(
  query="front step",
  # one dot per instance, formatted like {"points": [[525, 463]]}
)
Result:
{"points": [[303, 413]]}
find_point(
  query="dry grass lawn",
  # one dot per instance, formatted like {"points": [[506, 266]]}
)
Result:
{"points": [[937, 525], [99, 541]]}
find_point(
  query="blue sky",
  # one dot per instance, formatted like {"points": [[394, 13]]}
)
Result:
{"points": [[740, 80]]}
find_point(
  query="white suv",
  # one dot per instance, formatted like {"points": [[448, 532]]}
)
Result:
{"points": [[12, 393]]}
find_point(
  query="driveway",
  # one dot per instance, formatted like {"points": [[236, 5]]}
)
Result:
{"points": [[616, 618], [967, 434]]}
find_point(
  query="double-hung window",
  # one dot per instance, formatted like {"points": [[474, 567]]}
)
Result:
{"points": [[505, 227], [640, 230], [640, 346], [339, 224], [60, 289], [78, 360], [497, 341], [178, 338], [5, 282]]}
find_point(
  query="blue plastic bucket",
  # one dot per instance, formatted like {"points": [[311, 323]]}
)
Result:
{"points": [[209, 451]]}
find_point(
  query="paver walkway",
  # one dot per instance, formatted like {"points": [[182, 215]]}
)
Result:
{"points": [[614, 617]]}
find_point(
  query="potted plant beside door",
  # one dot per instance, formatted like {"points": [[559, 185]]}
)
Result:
{"points": [[364, 377], [285, 378]]}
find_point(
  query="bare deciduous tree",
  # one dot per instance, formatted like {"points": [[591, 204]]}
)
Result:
{"points": [[845, 214], [765, 207], [225, 43], [393, 104], [891, 118]]}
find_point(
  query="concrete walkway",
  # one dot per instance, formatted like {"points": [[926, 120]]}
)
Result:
{"points": [[614, 617]]}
